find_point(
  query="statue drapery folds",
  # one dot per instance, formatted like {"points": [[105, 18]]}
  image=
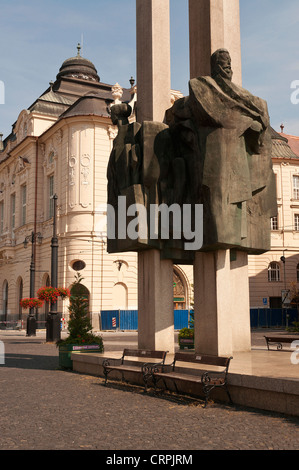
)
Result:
{"points": [[213, 149]]}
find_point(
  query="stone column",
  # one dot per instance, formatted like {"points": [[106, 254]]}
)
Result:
{"points": [[155, 276], [239, 280], [153, 59], [214, 24], [221, 288], [221, 303], [155, 302]]}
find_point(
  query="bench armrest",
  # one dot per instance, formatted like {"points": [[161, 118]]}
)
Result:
{"points": [[106, 362], [149, 368], [212, 376]]}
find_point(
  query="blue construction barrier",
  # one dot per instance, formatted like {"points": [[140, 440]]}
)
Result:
{"points": [[259, 318], [128, 319], [272, 317]]}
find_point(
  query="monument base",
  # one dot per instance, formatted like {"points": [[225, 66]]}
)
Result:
{"points": [[221, 303], [155, 302]]}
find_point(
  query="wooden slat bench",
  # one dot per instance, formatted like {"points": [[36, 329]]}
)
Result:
{"points": [[279, 340], [143, 368], [207, 380]]}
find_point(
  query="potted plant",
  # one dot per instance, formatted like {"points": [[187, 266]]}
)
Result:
{"points": [[80, 337], [31, 302], [63, 292], [186, 338], [48, 294], [186, 335]]}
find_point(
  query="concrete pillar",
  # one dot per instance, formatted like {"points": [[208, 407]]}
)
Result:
{"points": [[221, 303], [153, 59], [155, 276], [239, 280], [214, 24], [155, 302]]}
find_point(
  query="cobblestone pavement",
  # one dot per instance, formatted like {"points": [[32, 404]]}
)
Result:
{"points": [[45, 408]]}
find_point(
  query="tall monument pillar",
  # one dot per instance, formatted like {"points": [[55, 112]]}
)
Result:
{"points": [[153, 59], [214, 24], [155, 276], [221, 287]]}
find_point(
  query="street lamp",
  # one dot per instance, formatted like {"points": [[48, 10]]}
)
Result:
{"points": [[53, 320], [285, 294], [31, 320]]}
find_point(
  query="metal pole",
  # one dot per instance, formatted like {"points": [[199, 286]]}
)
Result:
{"points": [[31, 320], [53, 320]]}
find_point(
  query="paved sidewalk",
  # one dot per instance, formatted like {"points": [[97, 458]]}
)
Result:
{"points": [[44, 408]]}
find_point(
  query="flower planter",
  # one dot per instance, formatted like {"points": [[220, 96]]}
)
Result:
{"points": [[66, 350], [31, 302], [186, 343], [186, 338]]}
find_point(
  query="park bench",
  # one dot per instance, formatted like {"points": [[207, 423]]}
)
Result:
{"points": [[206, 380], [144, 368], [279, 340]]}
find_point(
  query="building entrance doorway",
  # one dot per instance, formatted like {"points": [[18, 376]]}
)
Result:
{"points": [[179, 291]]}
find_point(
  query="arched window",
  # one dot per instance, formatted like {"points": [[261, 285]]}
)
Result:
{"points": [[79, 290], [47, 304], [120, 296], [274, 272], [179, 290], [20, 296], [5, 300]]}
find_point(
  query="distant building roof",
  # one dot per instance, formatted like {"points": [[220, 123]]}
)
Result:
{"points": [[293, 142], [281, 147], [78, 67]]}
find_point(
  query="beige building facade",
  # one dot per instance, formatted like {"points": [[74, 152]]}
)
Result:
{"points": [[61, 145], [274, 272]]}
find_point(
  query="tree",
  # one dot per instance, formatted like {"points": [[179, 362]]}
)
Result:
{"points": [[79, 325]]}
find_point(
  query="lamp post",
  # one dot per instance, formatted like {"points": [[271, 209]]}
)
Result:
{"points": [[31, 320], [53, 320], [285, 294]]}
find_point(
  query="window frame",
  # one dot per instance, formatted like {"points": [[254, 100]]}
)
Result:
{"points": [[23, 204], [274, 272], [50, 196], [13, 210], [296, 187], [274, 223]]}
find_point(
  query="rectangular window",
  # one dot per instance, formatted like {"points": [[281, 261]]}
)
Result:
{"points": [[51, 194], [296, 222], [24, 203], [274, 223], [13, 211], [274, 272], [1, 217], [295, 187]]}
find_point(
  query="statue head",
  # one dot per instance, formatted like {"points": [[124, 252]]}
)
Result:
{"points": [[120, 113], [221, 64]]}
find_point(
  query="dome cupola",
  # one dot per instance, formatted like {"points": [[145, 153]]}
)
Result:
{"points": [[78, 67]]}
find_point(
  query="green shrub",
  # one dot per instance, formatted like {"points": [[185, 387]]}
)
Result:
{"points": [[186, 333], [294, 328], [79, 325]]}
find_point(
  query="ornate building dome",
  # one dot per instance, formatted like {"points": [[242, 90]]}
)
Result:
{"points": [[78, 67]]}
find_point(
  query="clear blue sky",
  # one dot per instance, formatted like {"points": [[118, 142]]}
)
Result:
{"points": [[36, 36]]}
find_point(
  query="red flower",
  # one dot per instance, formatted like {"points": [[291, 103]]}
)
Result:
{"points": [[31, 303]]}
